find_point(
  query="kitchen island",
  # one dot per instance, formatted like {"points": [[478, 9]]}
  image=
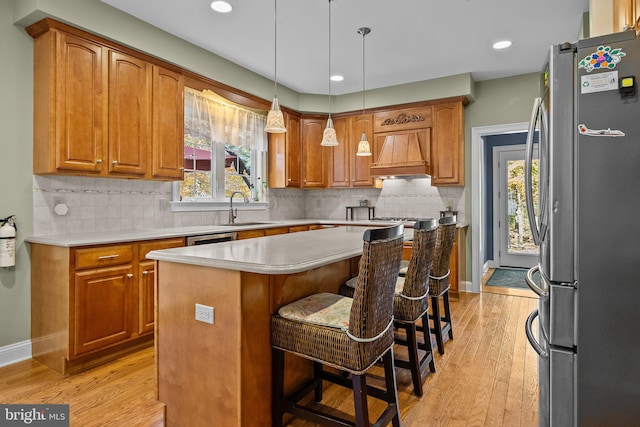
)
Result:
{"points": [[220, 372]]}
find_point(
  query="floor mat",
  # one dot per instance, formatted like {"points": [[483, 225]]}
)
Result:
{"points": [[509, 278]]}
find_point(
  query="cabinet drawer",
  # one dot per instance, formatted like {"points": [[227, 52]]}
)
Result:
{"points": [[250, 234], [103, 256], [147, 247], [296, 228], [276, 230]]}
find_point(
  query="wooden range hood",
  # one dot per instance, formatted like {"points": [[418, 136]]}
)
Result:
{"points": [[403, 153]]}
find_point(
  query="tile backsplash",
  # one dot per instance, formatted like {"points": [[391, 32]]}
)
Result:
{"points": [[100, 204], [408, 197]]}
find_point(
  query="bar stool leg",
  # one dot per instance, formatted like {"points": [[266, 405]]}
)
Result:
{"points": [[447, 314], [277, 386], [360, 400], [390, 382], [414, 362], [426, 334], [437, 325], [317, 375]]}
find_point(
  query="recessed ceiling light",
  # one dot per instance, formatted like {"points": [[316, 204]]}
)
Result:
{"points": [[502, 44], [221, 6], [337, 78]]}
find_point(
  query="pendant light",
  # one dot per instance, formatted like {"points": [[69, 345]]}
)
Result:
{"points": [[329, 138], [364, 149], [275, 119]]}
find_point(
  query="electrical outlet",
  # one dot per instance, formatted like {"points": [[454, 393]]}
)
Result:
{"points": [[204, 313]]}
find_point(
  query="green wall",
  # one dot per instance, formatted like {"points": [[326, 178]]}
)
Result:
{"points": [[16, 183], [496, 102]]}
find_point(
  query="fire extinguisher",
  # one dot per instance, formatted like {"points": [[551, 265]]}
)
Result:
{"points": [[8, 241]]}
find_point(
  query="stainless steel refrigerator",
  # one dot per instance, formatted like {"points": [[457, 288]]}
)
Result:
{"points": [[587, 224]]}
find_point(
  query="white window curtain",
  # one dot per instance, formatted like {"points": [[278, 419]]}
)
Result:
{"points": [[225, 123]]}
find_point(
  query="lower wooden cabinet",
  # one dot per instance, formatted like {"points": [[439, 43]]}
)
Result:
{"points": [[90, 304], [102, 310], [250, 234]]}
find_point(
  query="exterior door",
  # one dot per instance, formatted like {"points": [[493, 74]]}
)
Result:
{"points": [[512, 239]]}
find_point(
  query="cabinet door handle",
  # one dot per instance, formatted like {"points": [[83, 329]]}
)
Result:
{"points": [[115, 162], [144, 273], [109, 256], [99, 161], [130, 275], [182, 168]]}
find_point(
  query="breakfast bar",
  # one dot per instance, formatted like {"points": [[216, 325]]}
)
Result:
{"points": [[219, 368]]}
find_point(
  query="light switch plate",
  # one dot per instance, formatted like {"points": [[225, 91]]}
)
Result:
{"points": [[204, 313]]}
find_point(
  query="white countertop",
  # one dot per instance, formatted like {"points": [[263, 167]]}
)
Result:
{"points": [[107, 237], [279, 254], [98, 238]]}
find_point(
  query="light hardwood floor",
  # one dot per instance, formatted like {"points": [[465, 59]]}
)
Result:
{"points": [[487, 377]]}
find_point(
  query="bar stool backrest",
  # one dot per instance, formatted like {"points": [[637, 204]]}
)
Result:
{"points": [[372, 309], [445, 237], [416, 280]]}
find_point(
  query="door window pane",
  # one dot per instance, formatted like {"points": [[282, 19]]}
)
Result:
{"points": [[520, 240]]}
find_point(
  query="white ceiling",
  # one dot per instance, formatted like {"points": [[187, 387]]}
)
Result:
{"points": [[410, 40]]}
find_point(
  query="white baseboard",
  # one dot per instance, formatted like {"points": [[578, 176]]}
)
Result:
{"points": [[14, 353], [466, 286]]}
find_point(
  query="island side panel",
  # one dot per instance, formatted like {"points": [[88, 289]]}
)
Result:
{"points": [[198, 363], [50, 274]]}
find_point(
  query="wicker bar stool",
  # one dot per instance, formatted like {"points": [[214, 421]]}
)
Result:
{"points": [[411, 302], [347, 334], [439, 281]]}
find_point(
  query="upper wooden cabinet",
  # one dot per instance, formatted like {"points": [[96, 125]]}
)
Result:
{"points": [[626, 14], [339, 159], [447, 145], [167, 112], [284, 155], [129, 113], [314, 155], [345, 168], [93, 110]]}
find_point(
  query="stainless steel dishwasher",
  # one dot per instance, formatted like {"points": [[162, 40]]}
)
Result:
{"points": [[204, 239]]}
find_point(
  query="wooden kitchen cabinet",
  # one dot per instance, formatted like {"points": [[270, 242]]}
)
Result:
{"points": [[284, 155], [146, 277], [167, 112], [91, 304], [447, 145], [93, 110], [314, 155], [346, 169], [129, 130], [626, 14], [102, 308], [339, 173], [359, 165], [250, 234]]}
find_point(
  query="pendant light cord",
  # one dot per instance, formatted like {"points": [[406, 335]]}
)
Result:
{"points": [[364, 33], [275, 48], [330, 58]]}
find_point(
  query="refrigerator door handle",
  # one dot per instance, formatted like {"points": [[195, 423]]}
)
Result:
{"points": [[528, 169], [536, 346], [532, 284]]}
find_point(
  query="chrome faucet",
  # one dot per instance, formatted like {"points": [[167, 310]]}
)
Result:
{"points": [[233, 215]]}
